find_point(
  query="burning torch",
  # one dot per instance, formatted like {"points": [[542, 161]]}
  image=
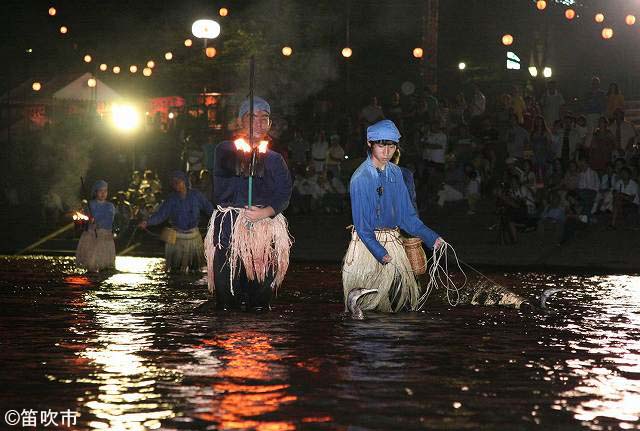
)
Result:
{"points": [[81, 218]]}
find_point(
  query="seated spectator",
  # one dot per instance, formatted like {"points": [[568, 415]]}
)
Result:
{"points": [[319, 150], [472, 189], [570, 141], [557, 134], [554, 211], [604, 198], [124, 212], [335, 155], [306, 191], [602, 146], [554, 180], [624, 133], [528, 177], [515, 208], [434, 152], [338, 193], [574, 219], [135, 181], [454, 182], [583, 130], [587, 187], [541, 146], [625, 197], [299, 150]]}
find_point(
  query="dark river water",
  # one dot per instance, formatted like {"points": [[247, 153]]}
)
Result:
{"points": [[128, 351]]}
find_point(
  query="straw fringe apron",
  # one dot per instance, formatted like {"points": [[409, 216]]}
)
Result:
{"points": [[396, 283], [96, 252], [187, 253], [261, 247]]}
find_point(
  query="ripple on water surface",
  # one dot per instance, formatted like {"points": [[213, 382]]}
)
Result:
{"points": [[128, 352]]}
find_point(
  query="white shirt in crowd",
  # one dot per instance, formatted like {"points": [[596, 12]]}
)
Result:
{"points": [[628, 135], [371, 114], [551, 104], [574, 142], [319, 150], [335, 154], [607, 183], [473, 187], [630, 189], [307, 186], [588, 179], [432, 154], [338, 186], [478, 104], [524, 193]]}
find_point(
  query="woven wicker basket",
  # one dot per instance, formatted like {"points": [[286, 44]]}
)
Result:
{"points": [[168, 235], [416, 255]]}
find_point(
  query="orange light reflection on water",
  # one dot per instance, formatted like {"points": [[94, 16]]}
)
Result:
{"points": [[250, 386]]}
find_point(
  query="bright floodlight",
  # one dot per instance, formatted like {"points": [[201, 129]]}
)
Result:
{"points": [[125, 117], [462, 66], [205, 29], [547, 72], [533, 71]]}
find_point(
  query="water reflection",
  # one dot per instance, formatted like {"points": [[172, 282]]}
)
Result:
{"points": [[249, 382], [128, 351], [126, 397], [609, 386]]}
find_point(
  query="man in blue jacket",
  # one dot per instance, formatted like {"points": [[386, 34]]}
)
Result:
{"points": [[247, 245], [381, 206], [182, 208]]}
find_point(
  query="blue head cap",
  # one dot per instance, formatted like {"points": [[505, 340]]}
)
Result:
{"points": [[383, 130], [100, 184], [179, 175], [259, 104]]}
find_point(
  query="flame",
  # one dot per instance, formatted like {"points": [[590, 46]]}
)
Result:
{"points": [[242, 145], [79, 216]]}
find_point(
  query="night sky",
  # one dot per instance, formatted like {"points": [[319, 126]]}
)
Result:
{"points": [[382, 34]]}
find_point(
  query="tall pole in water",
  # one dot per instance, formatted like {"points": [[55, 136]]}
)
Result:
{"points": [[253, 150]]}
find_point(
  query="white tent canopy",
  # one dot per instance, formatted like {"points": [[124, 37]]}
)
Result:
{"points": [[79, 90]]}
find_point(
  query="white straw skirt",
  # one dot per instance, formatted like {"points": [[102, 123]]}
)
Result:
{"points": [[96, 252], [187, 254], [259, 248], [396, 283]]}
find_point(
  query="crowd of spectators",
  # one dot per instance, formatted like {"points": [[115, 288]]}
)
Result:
{"points": [[532, 160]]}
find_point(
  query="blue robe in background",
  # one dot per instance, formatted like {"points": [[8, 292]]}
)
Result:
{"points": [[103, 213], [183, 214]]}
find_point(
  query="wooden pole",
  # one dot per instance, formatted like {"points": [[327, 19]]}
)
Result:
{"points": [[46, 238]]}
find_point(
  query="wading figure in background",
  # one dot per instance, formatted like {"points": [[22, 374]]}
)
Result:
{"points": [[96, 248], [248, 242], [184, 249], [376, 273]]}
